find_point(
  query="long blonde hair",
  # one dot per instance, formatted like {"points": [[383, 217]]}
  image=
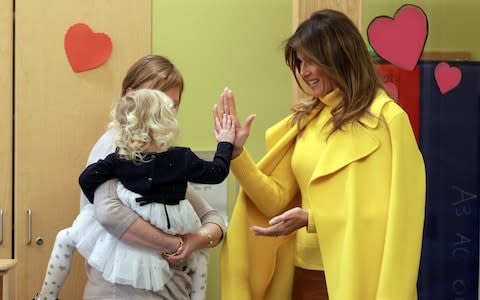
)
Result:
{"points": [[331, 40], [141, 117]]}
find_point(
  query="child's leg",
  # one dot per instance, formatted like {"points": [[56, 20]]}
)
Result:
{"points": [[199, 276], [58, 265]]}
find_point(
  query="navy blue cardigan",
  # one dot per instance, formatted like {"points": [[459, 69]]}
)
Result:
{"points": [[163, 177]]}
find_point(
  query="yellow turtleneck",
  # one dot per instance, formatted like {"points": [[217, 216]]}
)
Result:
{"points": [[308, 150]]}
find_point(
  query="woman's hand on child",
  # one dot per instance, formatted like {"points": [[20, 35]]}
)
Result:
{"points": [[182, 254]]}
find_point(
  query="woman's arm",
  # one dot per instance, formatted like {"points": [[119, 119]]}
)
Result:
{"points": [[210, 234], [270, 193], [126, 225], [206, 213]]}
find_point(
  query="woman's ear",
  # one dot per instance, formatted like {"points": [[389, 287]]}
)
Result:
{"points": [[129, 89]]}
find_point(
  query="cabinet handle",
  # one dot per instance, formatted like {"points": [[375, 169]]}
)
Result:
{"points": [[1, 226], [29, 224]]}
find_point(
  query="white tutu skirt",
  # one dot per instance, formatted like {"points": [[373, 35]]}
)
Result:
{"points": [[123, 264]]}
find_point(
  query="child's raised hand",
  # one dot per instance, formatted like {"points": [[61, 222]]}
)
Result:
{"points": [[227, 106], [225, 129]]}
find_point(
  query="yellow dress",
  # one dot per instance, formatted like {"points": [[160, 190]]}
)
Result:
{"points": [[368, 214]]}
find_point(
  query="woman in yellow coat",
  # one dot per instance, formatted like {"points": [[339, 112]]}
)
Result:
{"points": [[335, 209]]}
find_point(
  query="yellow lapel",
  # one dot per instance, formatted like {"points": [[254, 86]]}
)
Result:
{"points": [[344, 147], [279, 139], [354, 142]]}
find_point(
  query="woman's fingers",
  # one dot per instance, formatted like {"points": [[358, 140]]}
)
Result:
{"points": [[225, 101], [175, 261], [218, 125], [181, 257], [293, 214], [248, 122], [284, 224], [215, 111], [266, 231], [230, 105], [219, 110], [225, 121]]}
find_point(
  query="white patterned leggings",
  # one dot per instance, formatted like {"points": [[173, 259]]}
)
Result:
{"points": [[60, 263]]}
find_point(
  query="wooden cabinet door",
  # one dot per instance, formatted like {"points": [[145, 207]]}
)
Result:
{"points": [[6, 127], [59, 114]]}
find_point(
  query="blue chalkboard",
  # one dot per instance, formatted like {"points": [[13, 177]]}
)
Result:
{"points": [[450, 143]]}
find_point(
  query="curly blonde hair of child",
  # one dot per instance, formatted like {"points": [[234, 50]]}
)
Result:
{"points": [[141, 117]]}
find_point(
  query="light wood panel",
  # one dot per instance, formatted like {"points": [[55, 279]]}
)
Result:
{"points": [[447, 55], [6, 126], [59, 115], [302, 9], [7, 272], [6, 143]]}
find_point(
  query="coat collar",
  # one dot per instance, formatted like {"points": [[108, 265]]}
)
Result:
{"points": [[345, 146], [354, 142], [280, 138], [375, 110]]}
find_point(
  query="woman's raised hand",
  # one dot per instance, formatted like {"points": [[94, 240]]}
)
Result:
{"points": [[224, 129], [227, 106]]}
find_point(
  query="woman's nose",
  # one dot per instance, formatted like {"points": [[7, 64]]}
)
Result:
{"points": [[303, 70]]}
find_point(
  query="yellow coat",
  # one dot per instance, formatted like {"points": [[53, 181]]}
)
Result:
{"points": [[367, 202]]}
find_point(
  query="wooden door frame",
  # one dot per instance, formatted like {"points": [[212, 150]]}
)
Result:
{"points": [[6, 127]]}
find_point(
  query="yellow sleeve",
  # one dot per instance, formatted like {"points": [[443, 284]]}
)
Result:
{"points": [[403, 237], [270, 193]]}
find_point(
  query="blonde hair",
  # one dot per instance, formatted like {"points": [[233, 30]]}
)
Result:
{"points": [[141, 117], [158, 70], [331, 40]]}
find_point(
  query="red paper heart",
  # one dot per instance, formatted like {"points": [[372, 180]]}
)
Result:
{"points": [[392, 90], [86, 49], [447, 77], [400, 40]]}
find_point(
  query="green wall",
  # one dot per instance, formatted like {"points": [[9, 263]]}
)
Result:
{"points": [[453, 25], [218, 43], [238, 43]]}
